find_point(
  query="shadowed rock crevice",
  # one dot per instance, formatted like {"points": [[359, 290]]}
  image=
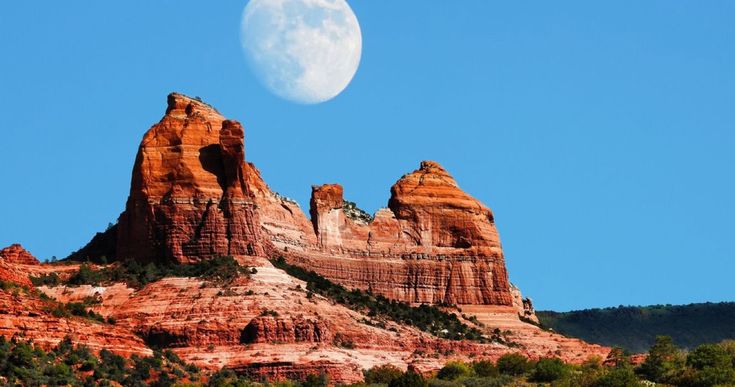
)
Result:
{"points": [[210, 157]]}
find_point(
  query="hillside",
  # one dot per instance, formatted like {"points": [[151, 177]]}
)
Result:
{"points": [[206, 261], [634, 327]]}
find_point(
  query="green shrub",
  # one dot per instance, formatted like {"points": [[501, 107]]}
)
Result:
{"points": [[382, 374], [618, 377], [513, 364], [50, 280], [269, 312], [485, 368], [409, 379], [548, 370], [86, 276], [663, 360], [220, 270], [709, 356], [500, 381], [315, 381], [454, 370], [444, 383], [343, 341], [23, 364]]}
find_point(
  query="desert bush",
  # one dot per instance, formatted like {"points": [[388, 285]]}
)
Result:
{"points": [[382, 374], [219, 270], [548, 370], [454, 370], [409, 379], [618, 377], [513, 364], [51, 280], [485, 368], [663, 361]]}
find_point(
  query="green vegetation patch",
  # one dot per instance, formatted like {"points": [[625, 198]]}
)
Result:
{"points": [[220, 270], [634, 327], [22, 363]]}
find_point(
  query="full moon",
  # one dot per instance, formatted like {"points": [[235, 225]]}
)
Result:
{"points": [[305, 51]]}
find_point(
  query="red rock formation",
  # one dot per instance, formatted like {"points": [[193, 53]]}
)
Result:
{"points": [[433, 244], [15, 253], [14, 261], [281, 218], [274, 329], [189, 199], [10, 273], [23, 314], [193, 197]]}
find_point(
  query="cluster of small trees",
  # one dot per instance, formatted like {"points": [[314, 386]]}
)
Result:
{"points": [[55, 308], [704, 366], [22, 363], [634, 327], [509, 369], [221, 270], [78, 309]]}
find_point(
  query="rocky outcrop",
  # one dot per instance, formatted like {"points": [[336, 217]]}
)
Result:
{"points": [[274, 329], [336, 371], [14, 265], [189, 198], [15, 253], [23, 314], [524, 305], [12, 274], [433, 244]]}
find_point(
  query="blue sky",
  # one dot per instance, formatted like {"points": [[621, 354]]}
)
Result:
{"points": [[600, 133]]}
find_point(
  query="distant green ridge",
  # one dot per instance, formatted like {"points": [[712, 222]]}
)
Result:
{"points": [[635, 327]]}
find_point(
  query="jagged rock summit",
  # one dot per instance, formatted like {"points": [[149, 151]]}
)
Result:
{"points": [[189, 200], [16, 253], [14, 260]]}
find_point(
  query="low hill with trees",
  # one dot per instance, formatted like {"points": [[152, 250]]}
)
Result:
{"points": [[635, 327]]}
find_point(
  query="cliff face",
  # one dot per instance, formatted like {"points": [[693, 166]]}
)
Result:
{"points": [[433, 244], [188, 197]]}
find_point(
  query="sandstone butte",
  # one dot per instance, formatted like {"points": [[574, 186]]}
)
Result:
{"points": [[193, 197]]}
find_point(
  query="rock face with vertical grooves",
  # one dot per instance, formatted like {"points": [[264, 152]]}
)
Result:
{"points": [[433, 244], [189, 200]]}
